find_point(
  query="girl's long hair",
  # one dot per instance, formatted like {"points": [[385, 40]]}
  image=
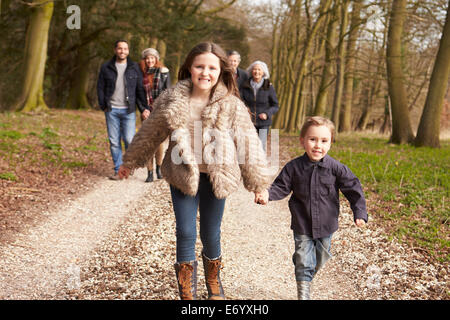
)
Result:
{"points": [[226, 72]]}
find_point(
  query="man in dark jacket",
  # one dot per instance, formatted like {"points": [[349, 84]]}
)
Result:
{"points": [[234, 58], [119, 89]]}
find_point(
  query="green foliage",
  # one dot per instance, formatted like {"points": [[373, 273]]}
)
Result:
{"points": [[11, 134], [64, 141], [412, 183], [8, 176], [75, 164]]}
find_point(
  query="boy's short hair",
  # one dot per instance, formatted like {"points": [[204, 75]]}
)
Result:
{"points": [[318, 121]]}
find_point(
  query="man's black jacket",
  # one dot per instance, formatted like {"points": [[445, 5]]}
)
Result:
{"points": [[134, 89]]}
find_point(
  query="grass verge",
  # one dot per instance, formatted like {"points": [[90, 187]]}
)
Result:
{"points": [[47, 158]]}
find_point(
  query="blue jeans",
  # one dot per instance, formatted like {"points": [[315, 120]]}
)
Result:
{"points": [[121, 126], [310, 255], [211, 213]]}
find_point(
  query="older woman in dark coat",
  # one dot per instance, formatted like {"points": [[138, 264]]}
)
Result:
{"points": [[260, 98]]}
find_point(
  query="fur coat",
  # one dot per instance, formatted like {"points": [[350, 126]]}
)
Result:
{"points": [[231, 147]]}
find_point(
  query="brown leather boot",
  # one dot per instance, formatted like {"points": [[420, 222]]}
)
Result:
{"points": [[212, 275], [187, 280]]}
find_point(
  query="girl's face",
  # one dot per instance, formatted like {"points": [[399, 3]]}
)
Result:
{"points": [[317, 142], [205, 72], [257, 73], [150, 61]]}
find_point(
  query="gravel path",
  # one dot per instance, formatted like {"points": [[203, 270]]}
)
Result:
{"points": [[36, 264], [104, 246]]}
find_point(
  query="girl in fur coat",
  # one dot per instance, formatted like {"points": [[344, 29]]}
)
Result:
{"points": [[212, 146]]}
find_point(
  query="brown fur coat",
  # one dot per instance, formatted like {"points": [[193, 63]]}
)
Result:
{"points": [[231, 147]]}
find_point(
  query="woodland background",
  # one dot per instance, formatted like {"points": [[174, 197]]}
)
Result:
{"points": [[379, 69], [378, 65]]}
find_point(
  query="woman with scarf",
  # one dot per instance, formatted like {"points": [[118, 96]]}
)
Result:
{"points": [[156, 79]]}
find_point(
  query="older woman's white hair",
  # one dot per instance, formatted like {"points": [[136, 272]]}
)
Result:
{"points": [[263, 66]]}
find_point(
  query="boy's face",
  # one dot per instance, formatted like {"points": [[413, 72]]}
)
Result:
{"points": [[317, 142]]}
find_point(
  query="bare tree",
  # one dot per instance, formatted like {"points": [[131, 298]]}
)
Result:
{"points": [[429, 126], [401, 126], [32, 97], [346, 115]]}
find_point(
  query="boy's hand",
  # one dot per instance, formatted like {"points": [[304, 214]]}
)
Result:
{"points": [[360, 223], [262, 197]]}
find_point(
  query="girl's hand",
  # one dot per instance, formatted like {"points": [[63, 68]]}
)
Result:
{"points": [[262, 197], [124, 172], [360, 223]]}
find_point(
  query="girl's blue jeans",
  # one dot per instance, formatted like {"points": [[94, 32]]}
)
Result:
{"points": [[211, 213], [310, 255]]}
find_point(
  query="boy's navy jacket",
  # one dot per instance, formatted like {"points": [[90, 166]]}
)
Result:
{"points": [[314, 203]]}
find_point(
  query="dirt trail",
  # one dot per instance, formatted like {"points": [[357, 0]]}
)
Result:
{"points": [[44, 259], [104, 246]]}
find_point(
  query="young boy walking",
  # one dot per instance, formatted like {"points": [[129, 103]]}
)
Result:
{"points": [[315, 180]]}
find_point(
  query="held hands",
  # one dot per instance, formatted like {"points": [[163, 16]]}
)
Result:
{"points": [[360, 223], [262, 197], [124, 172], [263, 116]]}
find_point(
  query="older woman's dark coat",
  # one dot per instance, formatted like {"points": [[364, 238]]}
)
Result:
{"points": [[265, 102]]}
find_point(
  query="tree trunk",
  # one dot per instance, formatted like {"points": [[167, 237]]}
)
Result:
{"points": [[80, 80], [340, 65], [327, 72], [32, 97], [364, 119], [162, 49], [291, 120], [401, 126], [386, 126], [345, 124], [429, 126]]}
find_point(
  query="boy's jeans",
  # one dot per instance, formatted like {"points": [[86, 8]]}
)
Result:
{"points": [[120, 125], [310, 255], [211, 212]]}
